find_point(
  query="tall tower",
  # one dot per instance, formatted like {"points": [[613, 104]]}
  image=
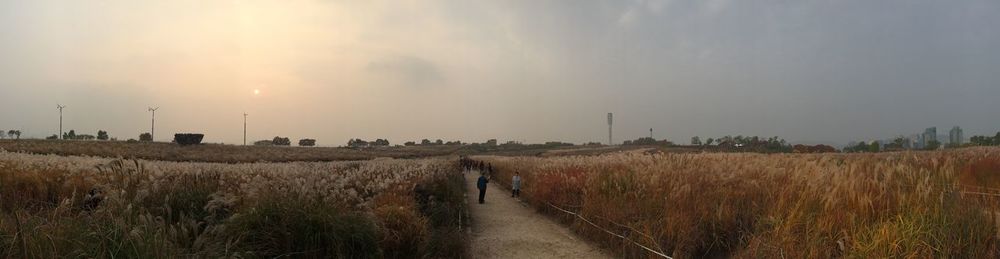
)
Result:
{"points": [[610, 122]]}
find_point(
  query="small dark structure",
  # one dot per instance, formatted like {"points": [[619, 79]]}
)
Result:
{"points": [[185, 139]]}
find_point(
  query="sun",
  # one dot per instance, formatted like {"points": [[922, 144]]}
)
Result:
{"points": [[256, 91]]}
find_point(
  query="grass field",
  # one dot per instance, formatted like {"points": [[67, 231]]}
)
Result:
{"points": [[53, 206], [902, 204], [218, 153], [906, 205]]}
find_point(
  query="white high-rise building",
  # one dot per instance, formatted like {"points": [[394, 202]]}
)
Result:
{"points": [[955, 136], [930, 135]]}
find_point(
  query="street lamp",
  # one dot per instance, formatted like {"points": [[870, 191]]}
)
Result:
{"points": [[60, 107], [152, 127]]}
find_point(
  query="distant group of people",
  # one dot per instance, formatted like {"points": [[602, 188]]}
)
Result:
{"points": [[485, 171], [469, 164]]}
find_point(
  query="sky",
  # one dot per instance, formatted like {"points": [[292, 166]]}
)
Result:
{"points": [[531, 71]]}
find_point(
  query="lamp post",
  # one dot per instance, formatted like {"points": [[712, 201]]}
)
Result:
{"points": [[152, 126], [60, 107], [244, 129]]}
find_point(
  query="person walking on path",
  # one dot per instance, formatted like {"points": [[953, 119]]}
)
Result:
{"points": [[482, 187], [516, 185]]}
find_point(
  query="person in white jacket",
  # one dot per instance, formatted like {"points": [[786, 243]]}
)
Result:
{"points": [[516, 185]]}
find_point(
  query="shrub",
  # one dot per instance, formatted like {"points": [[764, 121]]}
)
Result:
{"points": [[307, 142], [146, 137]]}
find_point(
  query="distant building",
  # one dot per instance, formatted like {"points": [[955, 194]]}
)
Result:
{"points": [[930, 134], [909, 142], [955, 136], [918, 141]]}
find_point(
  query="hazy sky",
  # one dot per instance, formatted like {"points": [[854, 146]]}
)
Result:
{"points": [[532, 71]]}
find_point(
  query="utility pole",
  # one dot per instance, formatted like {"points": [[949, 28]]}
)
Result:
{"points": [[610, 122], [650, 133], [152, 127], [244, 129], [60, 107]]}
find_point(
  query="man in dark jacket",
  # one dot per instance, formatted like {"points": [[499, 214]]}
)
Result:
{"points": [[482, 187]]}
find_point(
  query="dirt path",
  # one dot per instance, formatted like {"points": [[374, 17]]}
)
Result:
{"points": [[504, 228]]}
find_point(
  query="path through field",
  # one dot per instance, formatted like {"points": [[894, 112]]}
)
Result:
{"points": [[504, 228]]}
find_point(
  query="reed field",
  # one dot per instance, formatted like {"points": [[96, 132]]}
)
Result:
{"points": [[58, 207], [902, 205], [215, 153]]}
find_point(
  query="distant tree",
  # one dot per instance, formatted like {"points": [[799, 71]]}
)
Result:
{"points": [[900, 142], [985, 140], [641, 141], [439, 142], [85, 137], [996, 139], [146, 137], [102, 135], [54, 136], [279, 141], [695, 141], [859, 147], [357, 143], [813, 149], [425, 142], [512, 143], [2, 134], [381, 142], [491, 142], [70, 135], [874, 147], [709, 141], [410, 143], [932, 145], [263, 143], [307, 142]]}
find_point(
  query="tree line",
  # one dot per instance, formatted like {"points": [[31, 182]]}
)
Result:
{"points": [[14, 134], [985, 140]]}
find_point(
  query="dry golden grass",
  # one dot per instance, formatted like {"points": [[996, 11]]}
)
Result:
{"points": [[911, 204], [52, 206], [216, 153]]}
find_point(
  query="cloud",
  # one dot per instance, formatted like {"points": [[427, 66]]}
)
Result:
{"points": [[406, 70]]}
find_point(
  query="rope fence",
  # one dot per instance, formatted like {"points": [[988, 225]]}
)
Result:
{"points": [[661, 254]]}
